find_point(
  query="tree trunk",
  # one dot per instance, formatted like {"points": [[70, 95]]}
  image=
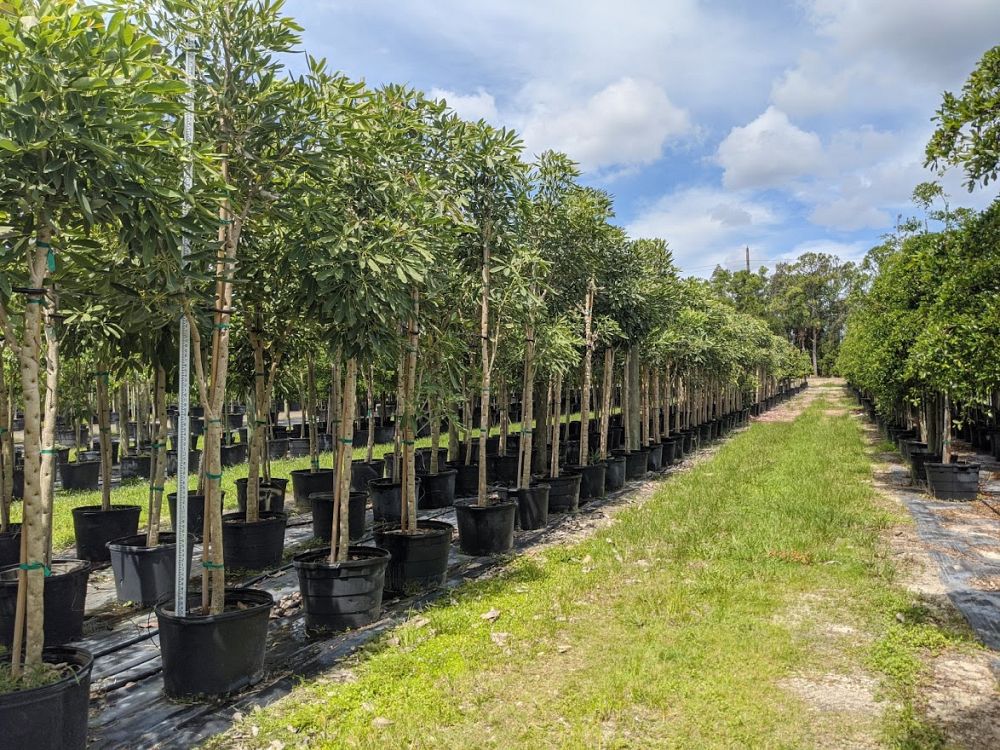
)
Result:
{"points": [[340, 538], [159, 459], [435, 417], [609, 359], [556, 411], [815, 363], [6, 452], [409, 515], [527, 409], [311, 412], [484, 396], [588, 340], [104, 432], [946, 431], [369, 383]]}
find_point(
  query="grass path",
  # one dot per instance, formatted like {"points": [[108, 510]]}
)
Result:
{"points": [[748, 603]]}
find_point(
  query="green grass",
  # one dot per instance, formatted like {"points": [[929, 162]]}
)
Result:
{"points": [[669, 628]]}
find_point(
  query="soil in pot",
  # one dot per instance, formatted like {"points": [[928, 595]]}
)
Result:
{"points": [[954, 481], [614, 473], [322, 515], [532, 506], [418, 560], [342, 596], [206, 655], [253, 545], [94, 528], [306, 483], [52, 716], [438, 489], [592, 480], [133, 467], [64, 600], [272, 494], [362, 472], [80, 475], [195, 514], [10, 545], [485, 530], [564, 493], [145, 574]]}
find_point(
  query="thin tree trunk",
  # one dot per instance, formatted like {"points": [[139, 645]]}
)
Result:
{"points": [[409, 420], [527, 408], [609, 358], [946, 431], [159, 459], [435, 417], [484, 396], [369, 383], [340, 533], [556, 388], [104, 431]]}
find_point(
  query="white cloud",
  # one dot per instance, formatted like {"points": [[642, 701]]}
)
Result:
{"points": [[627, 123], [768, 152], [706, 226], [478, 106]]}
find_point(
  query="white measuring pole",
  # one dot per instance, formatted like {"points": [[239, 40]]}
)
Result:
{"points": [[184, 370]]}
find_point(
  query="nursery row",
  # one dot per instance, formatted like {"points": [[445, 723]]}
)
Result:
{"points": [[184, 219]]}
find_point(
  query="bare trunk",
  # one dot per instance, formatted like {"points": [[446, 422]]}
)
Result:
{"points": [[946, 431], [556, 413], [606, 388], [435, 417], [104, 432], [484, 396], [340, 533], [409, 515], [369, 384], [159, 458], [527, 408]]}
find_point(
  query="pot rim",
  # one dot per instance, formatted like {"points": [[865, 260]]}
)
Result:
{"points": [[264, 599], [318, 559], [60, 684], [424, 523], [93, 510], [470, 503], [120, 543], [266, 516]]}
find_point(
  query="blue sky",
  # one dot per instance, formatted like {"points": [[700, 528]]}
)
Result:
{"points": [[785, 125]]}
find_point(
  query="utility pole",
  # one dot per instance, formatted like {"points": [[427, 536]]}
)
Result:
{"points": [[748, 259]]}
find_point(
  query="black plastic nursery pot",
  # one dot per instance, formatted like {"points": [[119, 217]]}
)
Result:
{"points": [[362, 472], [65, 597], [669, 451], [233, 455], [95, 527], [919, 458], [417, 561], [277, 448], [636, 463], [564, 493], [343, 595], [10, 545], [220, 654], [271, 497], [908, 445], [53, 716], [466, 479], [298, 447], [132, 467], [194, 461], [655, 460], [384, 433], [253, 545], [705, 433], [956, 481], [689, 440], [614, 474], [532, 506], [306, 483], [87, 456], [195, 514], [501, 470], [80, 475], [592, 480], [422, 459], [438, 489], [145, 574], [386, 497], [322, 515], [485, 530]]}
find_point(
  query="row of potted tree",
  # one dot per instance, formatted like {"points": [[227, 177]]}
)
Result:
{"points": [[358, 241]]}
